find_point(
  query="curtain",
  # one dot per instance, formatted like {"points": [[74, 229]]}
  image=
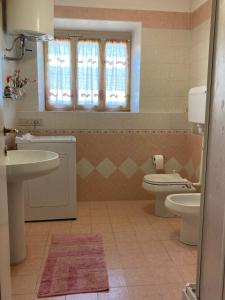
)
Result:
{"points": [[58, 69], [116, 73], [88, 72]]}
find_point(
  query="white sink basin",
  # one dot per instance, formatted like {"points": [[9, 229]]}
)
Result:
{"points": [[27, 164], [23, 165]]}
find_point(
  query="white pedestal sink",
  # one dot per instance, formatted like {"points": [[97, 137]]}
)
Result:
{"points": [[22, 165]]}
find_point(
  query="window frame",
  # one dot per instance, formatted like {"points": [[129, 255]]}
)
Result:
{"points": [[48, 106], [74, 38]]}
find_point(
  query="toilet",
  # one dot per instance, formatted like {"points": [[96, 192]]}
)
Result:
{"points": [[186, 206], [162, 185]]}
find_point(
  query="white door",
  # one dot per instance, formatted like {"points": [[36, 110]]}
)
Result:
{"points": [[5, 293], [212, 254]]}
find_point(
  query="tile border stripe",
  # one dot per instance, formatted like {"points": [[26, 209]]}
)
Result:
{"points": [[148, 18]]}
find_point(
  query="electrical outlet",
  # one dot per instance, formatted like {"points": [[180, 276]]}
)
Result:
{"points": [[30, 122]]}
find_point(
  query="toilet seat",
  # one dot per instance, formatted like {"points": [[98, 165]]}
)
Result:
{"points": [[166, 179], [164, 184]]}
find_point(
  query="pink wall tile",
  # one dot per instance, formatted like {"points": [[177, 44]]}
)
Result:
{"points": [[136, 146], [152, 19], [194, 147], [201, 14], [149, 19], [139, 147], [117, 187]]}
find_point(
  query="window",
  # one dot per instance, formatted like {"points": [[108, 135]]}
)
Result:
{"points": [[87, 74]]}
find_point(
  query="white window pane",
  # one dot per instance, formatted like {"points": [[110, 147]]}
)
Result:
{"points": [[59, 73], [88, 73], [116, 73]]}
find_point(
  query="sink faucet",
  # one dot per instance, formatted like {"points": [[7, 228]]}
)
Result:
{"points": [[10, 130]]}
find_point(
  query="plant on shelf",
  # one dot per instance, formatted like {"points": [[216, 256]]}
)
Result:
{"points": [[14, 88]]}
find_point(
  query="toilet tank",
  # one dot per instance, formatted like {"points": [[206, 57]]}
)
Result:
{"points": [[197, 104]]}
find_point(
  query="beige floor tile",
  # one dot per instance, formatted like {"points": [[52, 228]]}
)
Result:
{"points": [[168, 234], [152, 219], [39, 228], [52, 298], [24, 297], [123, 227], [108, 238], [115, 294], [119, 219], [144, 236], [128, 248], [188, 272], [152, 247], [24, 284], [175, 223], [140, 220], [157, 258], [125, 237], [77, 228], [84, 210], [86, 296], [116, 278], [138, 276], [144, 258], [180, 258], [130, 261], [113, 262], [37, 240], [141, 227], [35, 251], [105, 228], [176, 246], [100, 219], [171, 291], [166, 273], [30, 266], [82, 220], [110, 247], [99, 212], [116, 210], [60, 227], [144, 293], [194, 253]]}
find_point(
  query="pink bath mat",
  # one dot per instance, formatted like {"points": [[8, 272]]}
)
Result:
{"points": [[75, 265]]}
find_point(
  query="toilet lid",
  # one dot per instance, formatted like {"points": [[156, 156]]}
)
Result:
{"points": [[168, 179]]}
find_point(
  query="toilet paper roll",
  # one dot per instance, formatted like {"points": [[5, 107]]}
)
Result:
{"points": [[158, 162]]}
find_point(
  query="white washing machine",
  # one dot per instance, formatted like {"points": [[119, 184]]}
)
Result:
{"points": [[53, 196]]}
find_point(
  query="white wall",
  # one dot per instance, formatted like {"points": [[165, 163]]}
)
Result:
{"points": [[8, 68], [196, 4], [199, 50], [165, 70], [172, 61], [135, 69]]}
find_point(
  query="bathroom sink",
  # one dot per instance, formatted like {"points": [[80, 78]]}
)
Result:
{"points": [[22, 165], [27, 164]]}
